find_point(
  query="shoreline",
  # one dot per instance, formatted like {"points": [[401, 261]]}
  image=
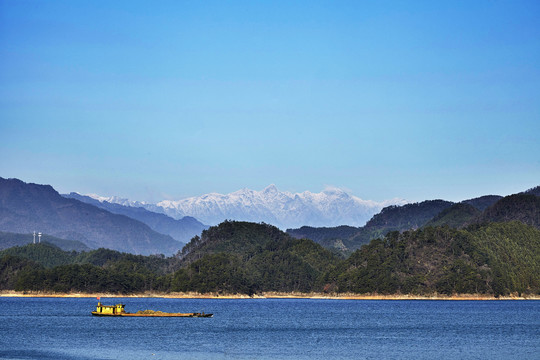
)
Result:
{"points": [[268, 295]]}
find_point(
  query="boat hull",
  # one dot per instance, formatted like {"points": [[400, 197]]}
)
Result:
{"points": [[95, 313]]}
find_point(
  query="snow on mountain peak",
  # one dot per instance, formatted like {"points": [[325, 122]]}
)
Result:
{"points": [[117, 200], [96, 197], [331, 207], [270, 189]]}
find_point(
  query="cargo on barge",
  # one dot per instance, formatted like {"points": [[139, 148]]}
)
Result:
{"points": [[118, 310]]}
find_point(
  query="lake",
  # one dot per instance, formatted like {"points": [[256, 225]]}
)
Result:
{"points": [[62, 328]]}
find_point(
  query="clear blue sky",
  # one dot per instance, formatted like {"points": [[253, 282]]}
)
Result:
{"points": [[168, 99]]}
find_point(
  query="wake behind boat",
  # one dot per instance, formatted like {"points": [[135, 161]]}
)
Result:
{"points": [[118, 310]]}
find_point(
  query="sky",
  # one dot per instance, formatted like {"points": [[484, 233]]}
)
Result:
{"points": [[153, 100]]}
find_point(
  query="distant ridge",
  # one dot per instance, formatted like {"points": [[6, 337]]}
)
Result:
{"points": [[8, 240], [534, 191], [391, 218], [483, 202], [456, 216], [409, 216], [28, 207], [181, 230], [523, 207]]}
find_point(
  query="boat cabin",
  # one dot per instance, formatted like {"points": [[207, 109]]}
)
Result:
{"points": [[110, 309]]}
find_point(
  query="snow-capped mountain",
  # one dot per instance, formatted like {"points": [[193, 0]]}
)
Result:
{"points": [[117, 200], [331, 207]]}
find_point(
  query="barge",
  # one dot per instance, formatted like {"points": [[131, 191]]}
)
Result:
{"points": [[118, 310]]}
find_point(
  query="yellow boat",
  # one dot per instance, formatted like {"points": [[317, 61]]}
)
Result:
{"points": [[118, 310]]}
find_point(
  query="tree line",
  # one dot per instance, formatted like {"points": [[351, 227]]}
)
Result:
{"points": [[247, 258]]}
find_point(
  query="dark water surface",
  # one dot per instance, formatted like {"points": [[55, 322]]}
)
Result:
{"points": [[46, 328]]}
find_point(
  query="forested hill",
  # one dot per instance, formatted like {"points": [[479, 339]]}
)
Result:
{"points": [[8, 240], [233, 257], [483, 202], [319, 234], [496, 258], [409, 216], [238, 257], [391, 218], [45, 267], [456, 216], [25, 208], [534, 191], [233, 237], [521, 207], [398, 218], [489, 208], [256, 257]]}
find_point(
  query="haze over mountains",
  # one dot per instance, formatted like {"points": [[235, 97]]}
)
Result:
{"points": [[25, 208], [179, 229], [331, 207], [465, 250]]}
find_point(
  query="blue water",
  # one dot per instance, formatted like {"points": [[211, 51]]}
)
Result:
{"points": [[45, 328]]}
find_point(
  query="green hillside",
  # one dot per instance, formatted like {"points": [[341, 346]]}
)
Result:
{"points": [[533, 191], [483, 202], [8, 240], [497, 258], [521, 207], [320, 234], [456, 216], [254, 257], [346, 239], [247, 258], [484, 209], [44, 254], [45, 267], [406, 217], [236, 257]]}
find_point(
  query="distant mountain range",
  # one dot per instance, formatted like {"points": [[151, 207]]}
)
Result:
{"points": [[25, 208], [486, 245], [144, 228], [390, 218], [181, 230], [330, 207], [523, 207]]}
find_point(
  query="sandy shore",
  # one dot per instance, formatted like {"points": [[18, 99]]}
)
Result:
{"points": [[268, 295]]}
